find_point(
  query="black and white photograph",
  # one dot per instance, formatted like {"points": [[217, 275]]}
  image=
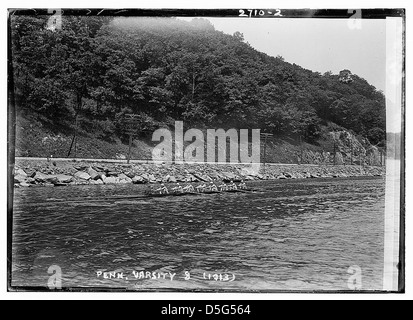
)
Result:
{"points": [[241, 150]]}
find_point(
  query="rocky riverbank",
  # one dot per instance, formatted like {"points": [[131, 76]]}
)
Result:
{"points": [[62, 173]]}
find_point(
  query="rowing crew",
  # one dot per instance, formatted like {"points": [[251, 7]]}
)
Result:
{"points": [[200, 188]]}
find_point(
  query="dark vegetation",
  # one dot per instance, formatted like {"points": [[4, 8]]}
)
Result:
{"points": [[80, 80]]}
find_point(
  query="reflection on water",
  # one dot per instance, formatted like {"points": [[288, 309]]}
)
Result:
{"points": [[288, 235]]}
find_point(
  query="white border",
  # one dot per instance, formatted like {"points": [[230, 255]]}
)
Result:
{"points": [[394, 66], [183, 4]]}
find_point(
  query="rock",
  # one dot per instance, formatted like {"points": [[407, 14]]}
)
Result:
{"points": [[125, 180], [59, 184], [24, 184], [180, 179], [41, 177], [193, 178], [288, 175], [282, 177], [62, 178], [130, 174], [112, 174], [96, 182], [20, 172], [122, 176], [80, 168], [172, 179], [260, 176], [151, 178], [228, 176], [82, 175], [94, 175], [85, 182], [138, 180], [30, 180], [298, 176], [110, 180], [247, 172], [20, 179], [215, 176], [117, 180]]}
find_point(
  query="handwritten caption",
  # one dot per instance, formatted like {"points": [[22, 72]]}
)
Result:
{"points": [[150, 275], [249, 13]]}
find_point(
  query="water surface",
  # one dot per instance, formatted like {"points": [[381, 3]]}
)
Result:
{"points": [[287, 235]]}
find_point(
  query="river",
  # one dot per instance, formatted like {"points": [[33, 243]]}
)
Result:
{"points": [[286, 235]]}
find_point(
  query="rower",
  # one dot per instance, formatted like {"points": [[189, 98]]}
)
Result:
{"points": [[223, 187], [212, 186], [178, 188], [232, 186], [188, 188], [200, 188], [163, 189], [242, 185], [150, 190]]}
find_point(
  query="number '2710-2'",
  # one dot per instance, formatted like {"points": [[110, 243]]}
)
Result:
{"points": [[257, 12]]}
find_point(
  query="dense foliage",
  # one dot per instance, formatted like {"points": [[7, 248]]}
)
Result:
{"points": [[94, 70]]}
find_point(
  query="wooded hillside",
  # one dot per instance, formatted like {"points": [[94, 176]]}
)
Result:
{"points": [[84, 78]]}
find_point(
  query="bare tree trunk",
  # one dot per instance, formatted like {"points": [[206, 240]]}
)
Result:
{"points": [[74, 139], [130, 147], [193, 85]]}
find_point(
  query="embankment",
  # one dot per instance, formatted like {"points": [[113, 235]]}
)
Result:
{"points": [[61, 173]]}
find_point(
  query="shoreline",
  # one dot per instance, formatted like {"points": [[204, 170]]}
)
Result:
{"points": [[40, 172]]}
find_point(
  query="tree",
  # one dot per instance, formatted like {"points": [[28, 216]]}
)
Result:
{"points": [[239, 36], [79, 71], [345, 76]]}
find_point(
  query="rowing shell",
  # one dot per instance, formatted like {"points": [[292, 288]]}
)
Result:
{"points": [[159, 195]]}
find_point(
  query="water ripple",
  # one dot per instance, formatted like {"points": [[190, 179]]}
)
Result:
{"points": [[291, 235]]}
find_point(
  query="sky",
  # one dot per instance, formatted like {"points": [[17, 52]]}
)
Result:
{"points": [[318, 44]]}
